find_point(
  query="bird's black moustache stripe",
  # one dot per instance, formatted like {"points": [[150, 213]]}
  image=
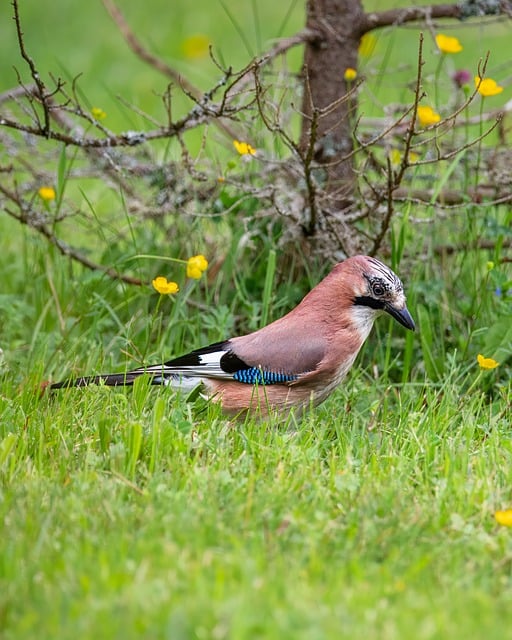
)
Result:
{"points": [[368, 301]]}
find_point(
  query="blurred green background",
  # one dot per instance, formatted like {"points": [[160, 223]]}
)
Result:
{"points": [[71, 38]]}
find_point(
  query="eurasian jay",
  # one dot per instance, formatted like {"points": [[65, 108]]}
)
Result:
{"points": [[294, 362]]}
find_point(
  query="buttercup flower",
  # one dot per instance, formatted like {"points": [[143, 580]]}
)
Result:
{"points": [[46, 193], [98, 114], [367, 45], [395, 157], [486, 363], [427, 116], [487, 87], [504, 517], [165, 287], [196, 265], [350, 74], [244, 148], [448, 44], [196, 46]]}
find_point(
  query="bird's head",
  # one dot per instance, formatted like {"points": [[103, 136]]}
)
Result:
{"points": [[378, 289]]}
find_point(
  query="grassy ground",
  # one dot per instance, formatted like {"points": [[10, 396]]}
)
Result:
{"points": [[131, 515], [134, 514]]}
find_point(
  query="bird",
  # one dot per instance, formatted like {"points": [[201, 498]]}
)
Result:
{"points": [[292, 363]]}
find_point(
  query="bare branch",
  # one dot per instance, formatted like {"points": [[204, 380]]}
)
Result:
{"points": [[41, 91], [378, 19], [141, 52], [427, 13], [36, 222], [451, 198]]}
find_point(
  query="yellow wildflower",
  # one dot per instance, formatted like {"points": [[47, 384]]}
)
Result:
{"points": [[486, 363], [504, 517], [367, 45], [196, 46], [98, 113], [164, 286], [46, 193], [350, 74], [448, 44], [196, 265], [244, 148], [427, 116], [395, 157], [487, 86]]}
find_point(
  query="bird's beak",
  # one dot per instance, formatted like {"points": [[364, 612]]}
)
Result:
{"points": [[401, 315]]}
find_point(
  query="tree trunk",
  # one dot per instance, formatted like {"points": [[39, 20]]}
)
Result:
{"points": [[328, 113]]}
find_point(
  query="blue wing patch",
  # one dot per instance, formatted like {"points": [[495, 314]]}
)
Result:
{"points": [[254, 375]]}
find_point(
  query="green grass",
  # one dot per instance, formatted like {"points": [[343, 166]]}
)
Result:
{"points": [[136, 514], [127, 515]]}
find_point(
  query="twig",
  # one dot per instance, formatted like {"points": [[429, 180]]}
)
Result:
{"points": [[141, 52], [157, 63], [378, 19], [126, 139], [33, 71], [38, 224], [451, 198], [394, 180]]}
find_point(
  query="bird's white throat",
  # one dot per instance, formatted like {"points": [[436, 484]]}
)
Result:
{"points": [[363, 318]]}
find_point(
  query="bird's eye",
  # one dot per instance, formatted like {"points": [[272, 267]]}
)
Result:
{"points": [[378, 290]]}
